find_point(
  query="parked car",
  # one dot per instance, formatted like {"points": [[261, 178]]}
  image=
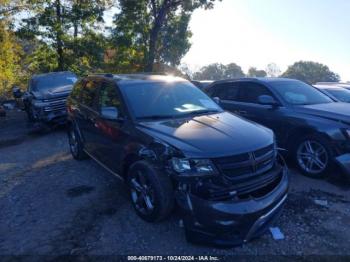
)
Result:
{"points": [[336, 92], [202, 84], [46, 96], [2, 111], [171, 143], [338, 84], [310, 125]]}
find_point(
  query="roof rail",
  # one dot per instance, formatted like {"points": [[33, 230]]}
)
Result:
{"points": [[102, 74]]}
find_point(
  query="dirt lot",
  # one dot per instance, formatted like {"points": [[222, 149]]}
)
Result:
{"points": [[51, 204]]}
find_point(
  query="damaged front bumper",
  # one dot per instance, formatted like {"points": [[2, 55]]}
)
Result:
{"points": [[47, 115], [235, 221], [344, 162]]}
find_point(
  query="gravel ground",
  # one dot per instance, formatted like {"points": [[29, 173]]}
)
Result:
{"points": [[53, 205]]}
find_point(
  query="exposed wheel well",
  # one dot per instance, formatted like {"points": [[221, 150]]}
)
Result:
{"points": [[128, 161], [300, 133]]}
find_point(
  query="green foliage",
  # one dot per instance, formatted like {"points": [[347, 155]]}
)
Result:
{"points": [[311, 72], [68, 28], [10, 53], [175, 40], [153, 31], [253, 72], [219, 71]]}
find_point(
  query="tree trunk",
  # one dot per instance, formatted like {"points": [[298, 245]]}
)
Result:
{"points": [[157, 25], [59, 41], [152, 49]]}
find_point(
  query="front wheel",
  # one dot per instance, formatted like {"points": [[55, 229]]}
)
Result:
{"points": [[151, 192], [314, 156]]}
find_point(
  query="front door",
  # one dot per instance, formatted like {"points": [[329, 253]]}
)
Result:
{"points": [[113, 135]]}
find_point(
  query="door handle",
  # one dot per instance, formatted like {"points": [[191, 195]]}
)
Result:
{"points": [[242, 112]]}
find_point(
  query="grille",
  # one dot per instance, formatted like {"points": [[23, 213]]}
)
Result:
{"points": [[244, 167], [55, 104]]}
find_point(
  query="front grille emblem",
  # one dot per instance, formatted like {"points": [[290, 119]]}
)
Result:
{"points": [[253, 162]]}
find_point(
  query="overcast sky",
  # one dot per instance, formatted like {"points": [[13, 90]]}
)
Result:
{"points": [[258, 32]]}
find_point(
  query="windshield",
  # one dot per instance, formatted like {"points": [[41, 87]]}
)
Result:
{"points": [[298, 93], [342, 95], [53, 81], [165, 100]]}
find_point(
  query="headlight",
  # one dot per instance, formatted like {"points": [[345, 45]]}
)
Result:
{"points": [[347, 132], [193, 166]]}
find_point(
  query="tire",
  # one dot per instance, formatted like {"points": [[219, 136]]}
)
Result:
{"points": [[316, 162], [75, 144], [30, 115], [151, 192]]}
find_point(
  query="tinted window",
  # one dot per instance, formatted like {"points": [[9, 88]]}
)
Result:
{"points": [[53, 81], [228, 91], [340, 94], [298, 93], [88, 93], [167, 99], [109, 96], [250, 92]]}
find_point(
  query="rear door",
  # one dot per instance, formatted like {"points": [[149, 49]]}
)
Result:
{"points": [[87, 113]]}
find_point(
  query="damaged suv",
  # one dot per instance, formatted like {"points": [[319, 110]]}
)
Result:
{"points": [[46, 96], [173, 145]]}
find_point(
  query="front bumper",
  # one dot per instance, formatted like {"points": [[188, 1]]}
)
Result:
{"points": [[54, 116], [233, 222]]}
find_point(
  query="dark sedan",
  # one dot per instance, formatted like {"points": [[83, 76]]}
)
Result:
{"points": [[309, 124]]}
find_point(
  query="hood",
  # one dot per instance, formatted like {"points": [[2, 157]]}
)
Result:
{"points": [[332, 111], [210, 136], [53, 92]]}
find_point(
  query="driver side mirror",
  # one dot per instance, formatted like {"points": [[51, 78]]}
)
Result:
{"points": [[16, 92], [216, 100], [267, 100], [110, 113]]}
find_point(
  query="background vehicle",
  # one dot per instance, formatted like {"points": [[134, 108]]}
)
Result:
{"points": [[335, 92], [338, 84], [314, 129], [46, 96], [170, 142], [202, 84], [2, 111]]}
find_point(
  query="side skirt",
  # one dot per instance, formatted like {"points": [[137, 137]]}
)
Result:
{"points": [[105, 167]]}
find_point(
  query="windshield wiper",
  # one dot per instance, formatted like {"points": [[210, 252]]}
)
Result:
{"points": [[201, 112], [155, 117]]}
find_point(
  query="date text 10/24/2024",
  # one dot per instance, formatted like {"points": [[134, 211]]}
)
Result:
{"points": [[173, 258]]}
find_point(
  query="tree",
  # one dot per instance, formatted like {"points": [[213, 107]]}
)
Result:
{"points": [[233, 71], [157, 30], [272, 70], [311, 72], [57, 22], [9, 59], [218, 71], [253, 72]]}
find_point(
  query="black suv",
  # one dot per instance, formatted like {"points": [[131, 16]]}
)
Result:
{"points": [[310, 125], [46, 96], [172, 144]]}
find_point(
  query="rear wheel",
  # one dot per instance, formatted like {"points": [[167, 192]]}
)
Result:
{"points": [[151, 192], [314, 156], [75, 144]]}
